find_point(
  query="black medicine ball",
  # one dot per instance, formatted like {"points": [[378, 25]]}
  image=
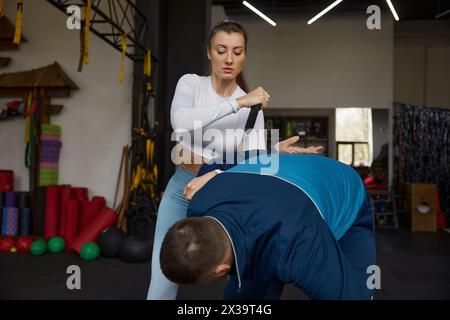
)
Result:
{"points": [[110, 241], [134, 250]]}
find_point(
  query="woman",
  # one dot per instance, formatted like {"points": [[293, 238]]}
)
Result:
{"points": [[202, 105]]}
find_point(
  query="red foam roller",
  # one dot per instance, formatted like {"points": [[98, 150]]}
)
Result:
{"points": [[52, 207], [99, 202], [90, 210], [85, 213], [65, 196], [72, 218], [103, 220], [80, 193]]}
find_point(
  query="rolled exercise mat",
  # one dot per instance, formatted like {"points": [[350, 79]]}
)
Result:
{"points": [[48, 165], [51, 159], [65, 196], [50, 153], [25, 222], [50, 150], [90, 209], [54, 160], [50, 172], [80, 193], [50, 132], [71, 227], [39, 211], [48, 181], [104, 219], [12, 199], [46, 127], [10, 221], [24, 200], [51, 144], [49, 175], [51, 228], [50, 138]]}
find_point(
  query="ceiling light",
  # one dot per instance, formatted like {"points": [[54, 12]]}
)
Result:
{"points": [[259, 13], [391, 6], [331, 6], [442, 14]]}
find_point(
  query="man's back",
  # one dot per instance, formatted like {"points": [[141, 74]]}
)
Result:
{"points": [[277, 231]]}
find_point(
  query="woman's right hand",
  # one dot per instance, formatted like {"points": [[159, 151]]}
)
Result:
{"points": [[253, 98], [196, 184]]}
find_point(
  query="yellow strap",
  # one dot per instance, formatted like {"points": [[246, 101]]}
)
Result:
{"points": [[87, 22], [18, 32], [1, 7], [152, 151], [123, 43], [148, 63], [155, 172], [148, 69], [148, 148]]}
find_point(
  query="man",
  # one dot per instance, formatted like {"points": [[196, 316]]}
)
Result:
{"points": [[310, 223]]}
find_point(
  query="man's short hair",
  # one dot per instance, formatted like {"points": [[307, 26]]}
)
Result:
{"points": [[191, 249]]}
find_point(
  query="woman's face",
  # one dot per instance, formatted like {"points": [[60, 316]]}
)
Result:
{"points": [[227, 54]]}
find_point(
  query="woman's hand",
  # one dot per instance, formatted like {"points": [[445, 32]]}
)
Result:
{"points": [[253, 98], [196, 184], [286, 146]]}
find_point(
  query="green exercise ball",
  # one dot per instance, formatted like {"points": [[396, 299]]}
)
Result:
{"points": [[38, 247], [56, 245], [90, 251]]}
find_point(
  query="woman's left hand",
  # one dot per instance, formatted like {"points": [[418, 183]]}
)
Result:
{"points": [[196, 184], [286, 146]]}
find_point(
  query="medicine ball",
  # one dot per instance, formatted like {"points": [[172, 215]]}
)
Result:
{"points": [[134, 250], [110, 241]]}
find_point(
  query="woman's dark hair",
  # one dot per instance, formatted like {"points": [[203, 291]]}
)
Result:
{"points": [[228, 27]]}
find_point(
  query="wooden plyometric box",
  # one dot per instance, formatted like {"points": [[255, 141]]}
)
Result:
{"points": [[421, 202]]}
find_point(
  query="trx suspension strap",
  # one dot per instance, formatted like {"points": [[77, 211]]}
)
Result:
{"points": [[123, 43], [1, 7], [18, 32], [148, 70], [250, 124]]}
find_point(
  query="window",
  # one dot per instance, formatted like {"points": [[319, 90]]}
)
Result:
{"points": [[354, 136]]}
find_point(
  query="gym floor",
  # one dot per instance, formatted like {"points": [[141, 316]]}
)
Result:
{"points": [[413, 266]]}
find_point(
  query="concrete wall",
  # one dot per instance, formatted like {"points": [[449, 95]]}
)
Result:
{"points": [[422, 63], [335, 62]]}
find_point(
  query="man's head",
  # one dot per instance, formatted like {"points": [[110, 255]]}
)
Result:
{"points": [[196, 250]]}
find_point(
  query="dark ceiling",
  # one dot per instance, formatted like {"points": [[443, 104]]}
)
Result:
{"points": [[406, 9]]}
